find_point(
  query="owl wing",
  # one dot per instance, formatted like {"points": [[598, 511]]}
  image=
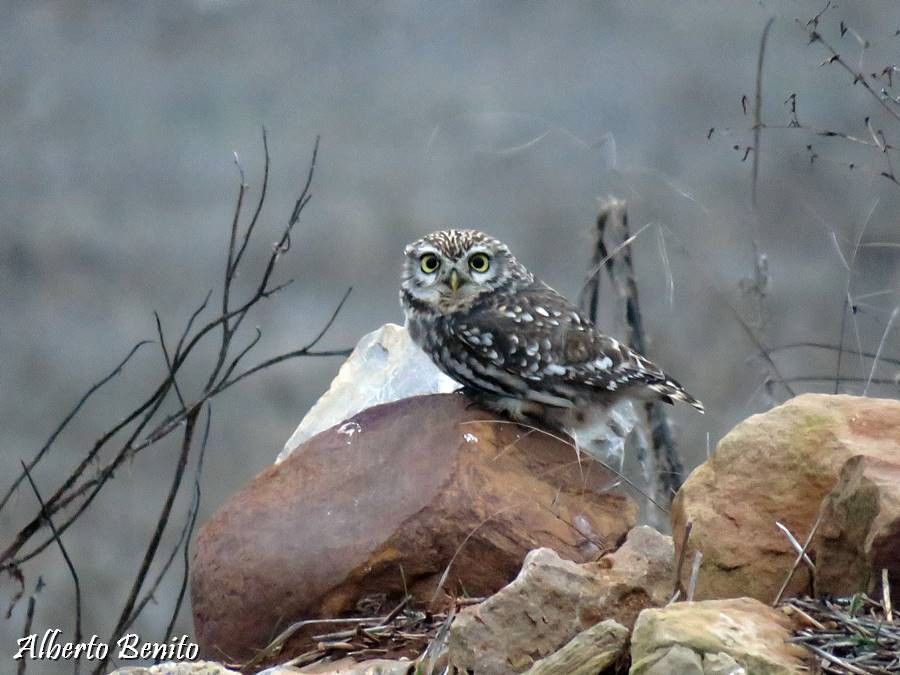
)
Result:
{"points": [[538, 345]]}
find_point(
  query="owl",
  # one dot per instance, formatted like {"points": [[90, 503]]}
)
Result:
{"points": [[513, 342]]}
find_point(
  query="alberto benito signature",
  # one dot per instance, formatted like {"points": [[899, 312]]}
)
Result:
{"points": [[48, 647]]}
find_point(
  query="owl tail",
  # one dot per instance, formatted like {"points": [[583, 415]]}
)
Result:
{"points": [[670, 391]]}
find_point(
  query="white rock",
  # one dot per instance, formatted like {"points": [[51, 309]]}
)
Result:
{"points": [[385, 366], [606, 432]]}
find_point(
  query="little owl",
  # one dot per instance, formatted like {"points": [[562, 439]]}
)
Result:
{"points": [[513, 342]]}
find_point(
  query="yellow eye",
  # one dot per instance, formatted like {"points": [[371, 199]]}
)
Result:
{"points": [[480, 262], [429, 263]]}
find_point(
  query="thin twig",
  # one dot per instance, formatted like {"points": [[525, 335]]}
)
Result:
{"points": [[887, 329], [68, 418], [69, 563], [682, 554], [125, 617], [797, 547], [165, 351], [757, 106], [763, 350], [695, 573], [790, 574], [29, 618], [192, 522], [821, 345], [858, 76]]}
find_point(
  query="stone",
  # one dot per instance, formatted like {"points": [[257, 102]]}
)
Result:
{"points": [[722, 664], [588, 653], [775, 466], [179, 668], [676, 659], [386, 365], [859, 534], [427, 496], [552, 600], [717, 633], [350, 667]]}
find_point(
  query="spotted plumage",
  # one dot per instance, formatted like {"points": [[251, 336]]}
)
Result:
{"points": [[520, 346]]}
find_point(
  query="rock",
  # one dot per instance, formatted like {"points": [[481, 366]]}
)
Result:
{"points": [[552, 600], [776, 466], [722, 664], [350, 667], [385, 366], [643, 566], [588, 653], [717, 633], [181, 668], [382, 504], [676, 659], [860, 530]]}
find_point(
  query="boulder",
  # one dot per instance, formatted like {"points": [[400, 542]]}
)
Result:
{"points": [[776, 466], [714, 636], [859, 534], [386, 365], [553, 600], [427, 495], [588, 653]]}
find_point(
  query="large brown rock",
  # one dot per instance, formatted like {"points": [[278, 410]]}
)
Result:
{"points": [[776, 466], [552, 600], [383, 504], [860, 530], [715, 636]]}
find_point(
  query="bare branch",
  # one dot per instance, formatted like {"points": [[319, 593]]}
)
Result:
{"points": [[65, 555], [192, 522], [68, 418], [126, 617]]}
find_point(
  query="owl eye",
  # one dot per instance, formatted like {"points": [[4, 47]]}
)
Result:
{"points": [[429, 263], [480, 262]]}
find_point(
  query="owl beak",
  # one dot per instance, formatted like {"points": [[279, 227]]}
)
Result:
{"points": [[454, 280]]}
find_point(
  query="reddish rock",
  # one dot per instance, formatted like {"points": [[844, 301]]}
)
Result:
{"points": [[776, 466], [384, 502], [860, 530]]}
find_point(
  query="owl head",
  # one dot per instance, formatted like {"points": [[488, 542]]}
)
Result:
{"points": [[451, 269]]}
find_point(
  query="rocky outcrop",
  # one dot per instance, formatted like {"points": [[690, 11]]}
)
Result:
{"points": [[553, 600], [422, 495], [859, 534], [714, 636], [386, 365], [776, 466]]}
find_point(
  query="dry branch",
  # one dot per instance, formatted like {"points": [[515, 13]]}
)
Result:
{"points": [[169, 407], [612, 251]]}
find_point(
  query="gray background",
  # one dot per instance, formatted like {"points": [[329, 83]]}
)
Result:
{"points": [[118, 125]]}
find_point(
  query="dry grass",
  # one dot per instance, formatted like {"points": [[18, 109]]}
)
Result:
{"points": [[418, 635], [848, 635]]}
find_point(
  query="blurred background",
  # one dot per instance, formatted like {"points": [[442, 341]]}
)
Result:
{"points": [[119, 124]]}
